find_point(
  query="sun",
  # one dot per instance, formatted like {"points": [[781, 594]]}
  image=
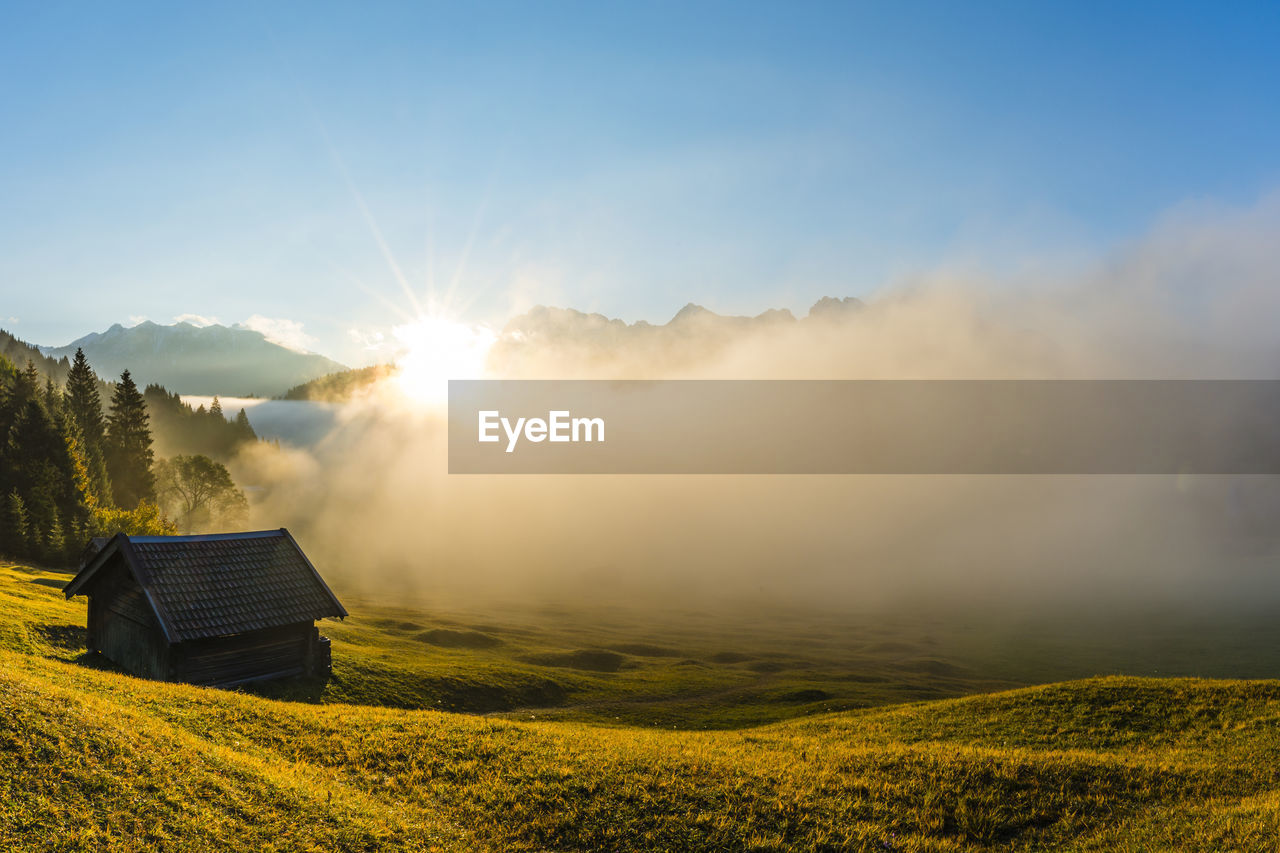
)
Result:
{"points": [[435, 349]]}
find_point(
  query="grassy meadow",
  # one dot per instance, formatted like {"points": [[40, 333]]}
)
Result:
{"points": [[583, 738]]}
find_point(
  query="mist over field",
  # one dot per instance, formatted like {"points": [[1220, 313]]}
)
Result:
{"points": [[272, 271], [1195, 299]]}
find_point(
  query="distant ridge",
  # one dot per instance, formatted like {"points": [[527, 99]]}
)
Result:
{"points": [[544, 319], [232, 361], [17, 352], [573, 337]]}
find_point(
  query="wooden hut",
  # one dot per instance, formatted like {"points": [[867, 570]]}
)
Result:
{"points": [[219, 609]]}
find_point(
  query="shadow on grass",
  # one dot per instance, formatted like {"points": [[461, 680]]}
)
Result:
{"points": [[51, 582], [451, 639], [309, 689], [590, 660], [95, 660], [26, 568], [63, 637]]}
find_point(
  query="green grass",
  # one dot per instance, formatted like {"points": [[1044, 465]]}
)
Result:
{"points": [[615, 667], [94, 760]]}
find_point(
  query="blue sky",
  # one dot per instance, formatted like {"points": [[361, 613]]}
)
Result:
{"points": [[299, 162]]}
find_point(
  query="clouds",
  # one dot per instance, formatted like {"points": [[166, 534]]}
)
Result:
{"points": [[279, 330], [196, 320], [287, 333], [369, 340]]}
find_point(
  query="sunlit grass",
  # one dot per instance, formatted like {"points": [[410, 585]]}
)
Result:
{"points": [[92, 760]]}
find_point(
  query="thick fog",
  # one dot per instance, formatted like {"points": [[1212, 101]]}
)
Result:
{"points": [[1198, 297]]}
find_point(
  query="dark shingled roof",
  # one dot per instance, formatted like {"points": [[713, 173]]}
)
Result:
{"points": [[220, 584]]}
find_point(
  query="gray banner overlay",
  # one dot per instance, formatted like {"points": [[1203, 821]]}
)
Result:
{"points": [[864, 427]]}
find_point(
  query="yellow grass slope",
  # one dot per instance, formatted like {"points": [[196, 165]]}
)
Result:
{"points": [[93, 760]]}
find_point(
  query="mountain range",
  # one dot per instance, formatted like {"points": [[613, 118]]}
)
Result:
{"points": [[188, 359], [547, 341], [237, 361]]}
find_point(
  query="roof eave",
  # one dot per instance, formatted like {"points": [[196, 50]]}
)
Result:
{"points": [[144, 583], [342, 611], [82, 577]]}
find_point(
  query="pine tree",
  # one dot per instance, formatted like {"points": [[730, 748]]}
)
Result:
{"points": [[26, 387], [84, 407], [129, 453], [52, 397], [244, 429], [53, 545], [215, 408], [89, 476], [42, 469], [13, 525], [31, 447], [83, 403], [31, 376]]}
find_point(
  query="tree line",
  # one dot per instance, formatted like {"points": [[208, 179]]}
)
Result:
{"points": [[72, 468], [180, 429]]}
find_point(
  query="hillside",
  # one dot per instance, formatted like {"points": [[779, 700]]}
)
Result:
{"points": [[187, 359], [18, 352], [92, 760], [342, 386]]}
